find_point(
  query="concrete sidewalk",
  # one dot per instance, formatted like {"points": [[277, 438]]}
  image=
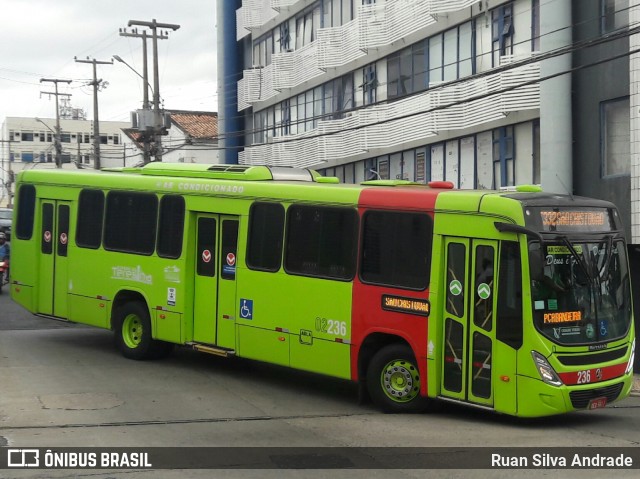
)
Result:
{"points": [[635, 390]]}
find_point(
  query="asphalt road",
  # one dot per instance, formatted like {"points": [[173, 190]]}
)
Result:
{"points": [[64, 385]]}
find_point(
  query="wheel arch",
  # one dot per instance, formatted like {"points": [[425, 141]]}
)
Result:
{"points": [[373, 343], [123, 297]]}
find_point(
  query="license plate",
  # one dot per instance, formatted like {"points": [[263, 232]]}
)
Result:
{"points": [[597, 403]]}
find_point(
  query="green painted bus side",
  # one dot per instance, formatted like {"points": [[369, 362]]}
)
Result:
{"points": [[294, 320], [95, 283]]}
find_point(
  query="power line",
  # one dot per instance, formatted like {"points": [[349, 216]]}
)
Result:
{"points": [[534, 59]]}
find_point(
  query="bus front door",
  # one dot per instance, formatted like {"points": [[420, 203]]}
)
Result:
{"points": [[215, 282], [469, 329], [54, 239]]}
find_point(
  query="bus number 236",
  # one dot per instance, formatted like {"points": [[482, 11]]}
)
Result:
{"points": [[330, 326]]}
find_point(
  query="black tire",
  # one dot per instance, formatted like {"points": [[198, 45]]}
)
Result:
{"points": [[393, 380], [132, 327]]}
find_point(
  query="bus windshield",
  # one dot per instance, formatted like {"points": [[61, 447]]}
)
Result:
{"points": [[582, 294]]}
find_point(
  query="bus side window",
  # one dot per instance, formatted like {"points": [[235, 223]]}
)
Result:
{"points": [[396, 249], [266, 226], [171, 226], [90, 218], [509, 310], [130, 222], [321, 241], [26, 212]]}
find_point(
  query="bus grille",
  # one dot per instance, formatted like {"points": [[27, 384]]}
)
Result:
{"points": [[593, 358], [580, 399]]}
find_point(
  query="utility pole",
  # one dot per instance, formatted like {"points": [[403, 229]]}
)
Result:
{"points": [[157, 126], [57, 143], [145, 79], [96, 121]]}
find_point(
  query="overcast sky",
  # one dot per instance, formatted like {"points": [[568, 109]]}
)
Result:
{"points": [[40, 38]]}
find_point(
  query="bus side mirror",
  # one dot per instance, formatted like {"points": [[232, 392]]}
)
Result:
{"points": [[536, 262]]}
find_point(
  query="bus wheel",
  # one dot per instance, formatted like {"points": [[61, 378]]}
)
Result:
{"points": [[393, 380], [133, 333]]}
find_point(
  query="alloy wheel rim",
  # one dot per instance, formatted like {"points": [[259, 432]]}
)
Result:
{"points": [[400, 381]]}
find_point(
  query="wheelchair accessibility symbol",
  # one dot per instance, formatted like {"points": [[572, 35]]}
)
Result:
{"points": [[246, 308]]}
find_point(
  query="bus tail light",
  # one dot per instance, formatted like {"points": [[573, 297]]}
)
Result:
{"points": [[545, 370], [632, 358]]}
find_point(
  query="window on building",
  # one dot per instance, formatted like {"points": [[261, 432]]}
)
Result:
{"points": [[27, 157], [615, 15], [369, 84], [65, 137], [49, 137], [503, 157], [615, 137], [502, 32], [263, 50], [286, 117], [535, 25], [396, 249], [27, 136], [336, 12], [264, 125], [307, 25], [285, 37], [338, 97], [536, 152], [406, 71], [321, 241], [104, 139]]}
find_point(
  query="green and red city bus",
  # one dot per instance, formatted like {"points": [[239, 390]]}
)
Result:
{"points": [[514, 301]]}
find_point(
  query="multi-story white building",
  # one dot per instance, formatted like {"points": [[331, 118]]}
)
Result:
{"points": [[418, 90], [29, 143], [482, 93]]}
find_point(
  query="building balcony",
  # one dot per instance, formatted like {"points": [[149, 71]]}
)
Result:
{"points": [[255, 13], [376, 25], [457, 106]]}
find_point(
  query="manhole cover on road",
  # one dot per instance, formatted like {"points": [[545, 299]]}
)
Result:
{"points": [[80, 401]]}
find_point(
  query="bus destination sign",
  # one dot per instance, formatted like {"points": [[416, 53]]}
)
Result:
{"points": [[406, 305], [582, 219]]}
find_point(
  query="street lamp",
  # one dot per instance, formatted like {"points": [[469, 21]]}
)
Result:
{"points": [[146, 107], [145, 101]]}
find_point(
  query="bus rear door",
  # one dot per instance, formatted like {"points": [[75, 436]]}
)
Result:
{"points": [[215, 281], [469, 331], [54, 241]]}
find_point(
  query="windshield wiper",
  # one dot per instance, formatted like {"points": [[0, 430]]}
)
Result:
{"points": [[578, 258], [605, 267]]}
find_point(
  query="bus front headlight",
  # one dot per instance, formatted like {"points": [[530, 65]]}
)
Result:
{"points": [[547, 373], [632, 358]]}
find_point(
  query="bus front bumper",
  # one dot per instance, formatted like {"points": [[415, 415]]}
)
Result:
{"points": [[537, 398]]}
